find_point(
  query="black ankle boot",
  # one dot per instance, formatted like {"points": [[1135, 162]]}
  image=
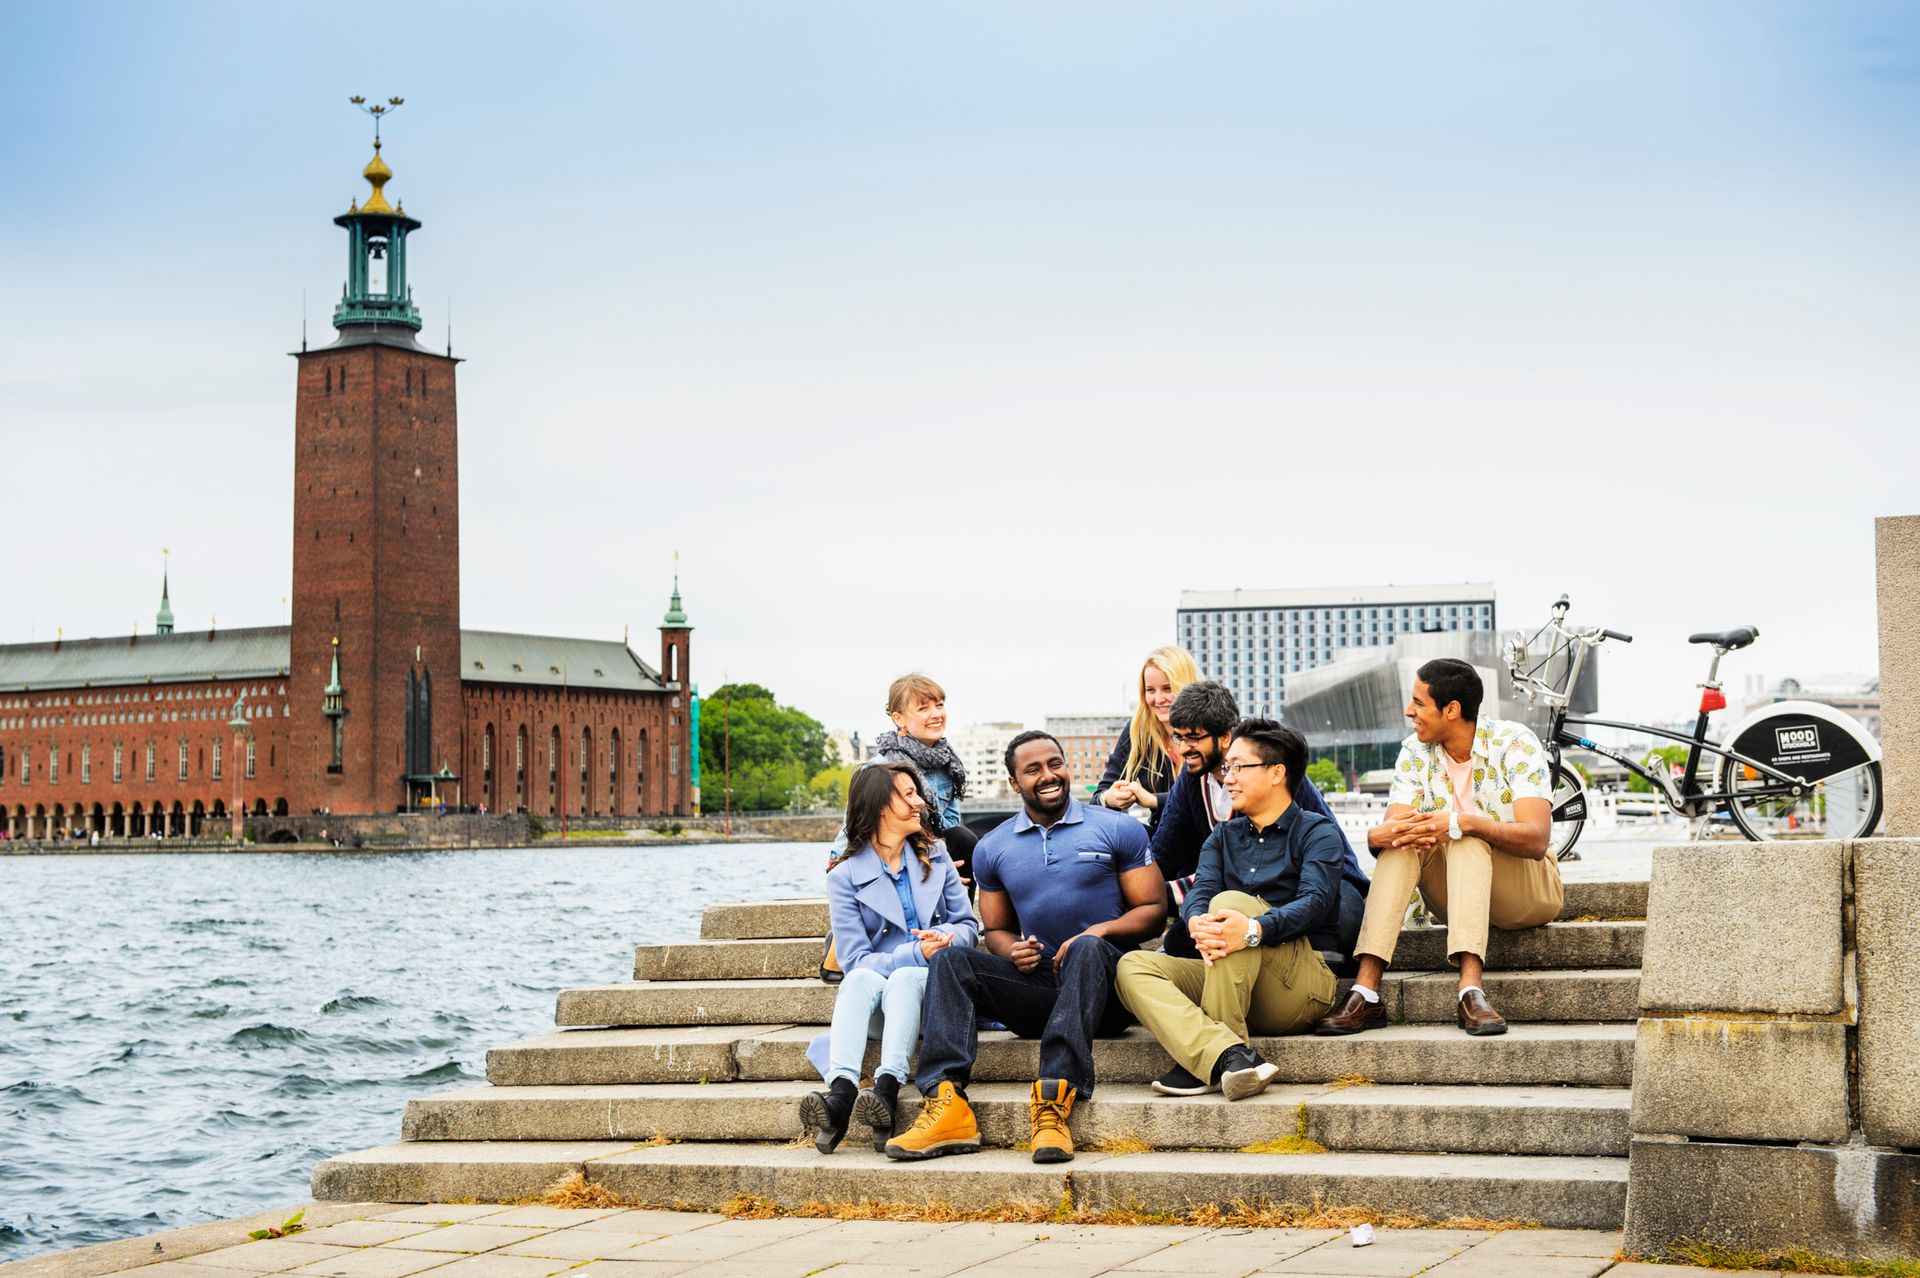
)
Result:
{"points": [[877, 1107], [826, 1113]]}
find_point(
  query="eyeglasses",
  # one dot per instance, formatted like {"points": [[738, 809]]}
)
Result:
{"points": [[1192, 737], [1227, 770]]}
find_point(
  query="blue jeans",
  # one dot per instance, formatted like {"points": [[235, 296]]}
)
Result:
{"points": [[873, 1006], [1066, 1010]]}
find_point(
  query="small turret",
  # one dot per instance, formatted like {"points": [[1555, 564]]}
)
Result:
{"points": [[163, 620]]}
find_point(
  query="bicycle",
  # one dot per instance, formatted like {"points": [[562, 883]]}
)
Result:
{"points": [[1793, 769]]}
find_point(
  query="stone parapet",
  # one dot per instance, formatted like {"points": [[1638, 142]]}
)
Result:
{"points": [[1708, 955], [1896, 542], [1778, 1011], [1886, 889]]}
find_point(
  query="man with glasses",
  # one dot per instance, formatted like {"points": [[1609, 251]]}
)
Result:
{"points": [[1201, 719], [1265, 902]]}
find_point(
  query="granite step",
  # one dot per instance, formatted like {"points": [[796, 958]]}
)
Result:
{"points": [[1557, 1191], [772, 920], [1613, 944], [1436, 1118], [1583, 994], [1530, 1055]]}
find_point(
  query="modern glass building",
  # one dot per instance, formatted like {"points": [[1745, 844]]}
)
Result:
{"points": [[1252, 640]]}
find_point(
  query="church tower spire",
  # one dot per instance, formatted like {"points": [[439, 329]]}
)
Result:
{"points": [[163, 620], [376, 290]]}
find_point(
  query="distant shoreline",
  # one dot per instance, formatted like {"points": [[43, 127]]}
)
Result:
{"points": [[162, 847]]}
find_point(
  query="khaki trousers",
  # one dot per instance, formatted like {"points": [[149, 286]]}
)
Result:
{"points": [[1467, 885], [1197, 1012]]}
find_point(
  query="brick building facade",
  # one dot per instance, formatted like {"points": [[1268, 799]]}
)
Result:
{"points": [[373, 699]]}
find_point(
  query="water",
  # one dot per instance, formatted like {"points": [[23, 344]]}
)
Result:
{"points": [[183, 1037]]}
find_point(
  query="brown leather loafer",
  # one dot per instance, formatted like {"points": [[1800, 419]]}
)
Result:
{"points": [[1355, 1014], [1477, 1016]]}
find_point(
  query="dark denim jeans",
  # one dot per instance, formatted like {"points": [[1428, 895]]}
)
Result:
{"points": [[1065, 1010]]}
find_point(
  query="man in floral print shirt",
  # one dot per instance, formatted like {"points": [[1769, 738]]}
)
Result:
{"points": [[1467, 823]]}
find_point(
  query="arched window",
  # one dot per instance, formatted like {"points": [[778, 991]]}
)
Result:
{"points": [[553, 771], [149, 760], [586, 766], [486, 766], [118, 768], [520, 766], [183, 758], [250, 759], [53, 764], [614, 796], [216, 759], [86, 763]]}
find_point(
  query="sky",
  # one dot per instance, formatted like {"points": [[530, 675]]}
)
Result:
{"points": [[963, 337]]}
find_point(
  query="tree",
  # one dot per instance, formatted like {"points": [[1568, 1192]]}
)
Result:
{"points": [[772, 749], [1667, 755], [829, 787], [1326, 776]]}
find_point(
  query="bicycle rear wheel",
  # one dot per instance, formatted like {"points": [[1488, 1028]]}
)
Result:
{"points": [[1844, 806], [1569, 812]]}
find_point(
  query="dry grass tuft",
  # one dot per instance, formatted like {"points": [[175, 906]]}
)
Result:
{"points": [[575, 1190], [1240, 1215], [1349, 1080], [1122, 1145], [1797, 1261]]}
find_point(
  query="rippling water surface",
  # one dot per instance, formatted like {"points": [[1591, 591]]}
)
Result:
{"points": [[183, 1037]]}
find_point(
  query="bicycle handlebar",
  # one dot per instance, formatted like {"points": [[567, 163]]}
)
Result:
{"points": [[1615, 634]]}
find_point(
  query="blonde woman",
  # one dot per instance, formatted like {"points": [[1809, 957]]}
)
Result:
{"points": [[1142, 767]]}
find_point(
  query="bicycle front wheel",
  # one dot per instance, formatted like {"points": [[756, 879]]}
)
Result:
{"points": [[1843, 806], [1569, 812]]}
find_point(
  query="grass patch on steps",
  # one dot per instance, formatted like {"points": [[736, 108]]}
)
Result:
{"points": [[1297, 1143], [1796, 1261], [1349, 1080]]}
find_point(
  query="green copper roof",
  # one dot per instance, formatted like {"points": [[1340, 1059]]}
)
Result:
{"points": [[676, 615], [486, 656], [587, 665]]}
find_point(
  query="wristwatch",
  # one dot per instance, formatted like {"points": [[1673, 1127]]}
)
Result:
{"points": [[1253, 934], [1453, 823]]}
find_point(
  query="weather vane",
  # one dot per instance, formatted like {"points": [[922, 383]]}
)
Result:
{"points": [[376, 111]]}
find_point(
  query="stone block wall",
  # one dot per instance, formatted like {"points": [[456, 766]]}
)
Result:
{"points": [[1776, 1092]]}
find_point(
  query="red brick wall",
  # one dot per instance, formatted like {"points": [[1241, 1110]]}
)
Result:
{"points": [[77, 719], [376, 561], [639, 781]]}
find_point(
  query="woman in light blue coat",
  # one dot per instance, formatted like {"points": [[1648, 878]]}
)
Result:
{"points": [[895, 900]]}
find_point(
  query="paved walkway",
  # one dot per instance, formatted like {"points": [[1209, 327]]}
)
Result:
{"points": [[491, 1241]]}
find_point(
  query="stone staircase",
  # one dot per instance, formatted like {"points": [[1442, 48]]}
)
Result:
{"points": [[683, 1086]]}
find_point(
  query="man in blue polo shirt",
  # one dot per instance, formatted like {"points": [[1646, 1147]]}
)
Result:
{"points": [[1065, 890]]}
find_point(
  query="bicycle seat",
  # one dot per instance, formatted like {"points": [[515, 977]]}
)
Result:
{"points": [[1738, 637]]}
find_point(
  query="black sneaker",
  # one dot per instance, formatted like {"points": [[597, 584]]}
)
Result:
{"points": [[1178, 1082], [1241, 1073]]}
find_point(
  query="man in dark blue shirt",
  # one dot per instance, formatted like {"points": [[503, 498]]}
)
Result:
{"points": [[1201, 719], [1265, 901], [1065, 890]]}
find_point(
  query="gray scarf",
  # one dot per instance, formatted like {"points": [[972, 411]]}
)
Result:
{"points": [[938, 757]]}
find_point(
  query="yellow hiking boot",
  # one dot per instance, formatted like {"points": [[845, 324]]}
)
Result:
{"points": [[1047, 1110], [945, 1126]]}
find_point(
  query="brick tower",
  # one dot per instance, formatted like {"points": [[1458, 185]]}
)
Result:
{"points": [[375, 680]]}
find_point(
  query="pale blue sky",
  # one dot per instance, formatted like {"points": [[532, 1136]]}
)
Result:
{"points": [[964, 337]]}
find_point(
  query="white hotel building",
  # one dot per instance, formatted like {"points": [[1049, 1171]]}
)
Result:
{"points": [[1251, 640]]}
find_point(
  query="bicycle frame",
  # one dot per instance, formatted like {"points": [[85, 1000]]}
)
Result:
{"points": [[1689, 797]]}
